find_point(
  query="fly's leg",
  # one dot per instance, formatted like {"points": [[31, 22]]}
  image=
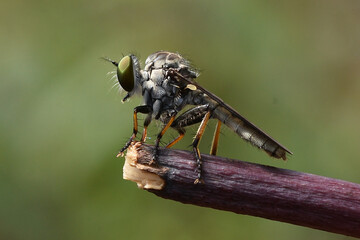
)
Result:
{"points": [[139, 109], [165, 128], [214, 145], [195, 145], [190, 117], [146, 124], [181, 135]]}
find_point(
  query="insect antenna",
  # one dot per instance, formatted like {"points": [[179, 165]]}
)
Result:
{"points": [[109, 60]]}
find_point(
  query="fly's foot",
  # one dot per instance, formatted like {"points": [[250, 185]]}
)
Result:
{"points": [[154, 157], [199, 181], [121, 152], [152, 162]]}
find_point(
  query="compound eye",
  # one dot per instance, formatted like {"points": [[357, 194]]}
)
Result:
{"points": [[125, 73]]}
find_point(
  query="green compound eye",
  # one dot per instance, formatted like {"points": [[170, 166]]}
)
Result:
{"points": [[125, 73]]}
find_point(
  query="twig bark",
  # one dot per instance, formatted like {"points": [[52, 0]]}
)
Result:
{"points": [[299, 198]]}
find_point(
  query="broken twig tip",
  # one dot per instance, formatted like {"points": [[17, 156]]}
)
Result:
{"points": [[143, 175], [248, 188]]}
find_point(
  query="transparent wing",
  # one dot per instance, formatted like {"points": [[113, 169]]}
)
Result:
{"points": [[231, 118]]}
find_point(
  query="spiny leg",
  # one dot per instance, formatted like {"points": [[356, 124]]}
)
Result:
{"points": [[214, 145], [165, 128], [187, 118], [195, 145], [138, 109]]}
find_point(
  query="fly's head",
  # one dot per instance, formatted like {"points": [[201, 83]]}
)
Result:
{"points": [[128, 74]]}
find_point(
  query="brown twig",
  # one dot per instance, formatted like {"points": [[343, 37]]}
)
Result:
{"points": [[299, 198]]}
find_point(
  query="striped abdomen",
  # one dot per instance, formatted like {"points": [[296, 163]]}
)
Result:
{"points": [[231, 118], [248, 131]]}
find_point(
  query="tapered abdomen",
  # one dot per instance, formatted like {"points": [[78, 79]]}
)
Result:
{"points": [[248, 131]]}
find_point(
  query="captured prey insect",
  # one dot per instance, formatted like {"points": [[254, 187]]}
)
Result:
{"points": [[167, 85]]}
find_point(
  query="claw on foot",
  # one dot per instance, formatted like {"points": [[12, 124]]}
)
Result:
{"points": [[153, 160], [154, 157], [199, 181], [120, 154]]}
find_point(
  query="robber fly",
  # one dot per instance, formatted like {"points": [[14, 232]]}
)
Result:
{"points": [[167, 85]]}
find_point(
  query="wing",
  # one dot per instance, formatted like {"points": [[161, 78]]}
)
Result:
{"points": [[230, 117]]}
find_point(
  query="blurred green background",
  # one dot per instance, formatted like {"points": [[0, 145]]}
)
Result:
{"points": [[291, 67]]}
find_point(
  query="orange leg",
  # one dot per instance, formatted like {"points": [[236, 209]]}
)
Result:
{"points": [[166, 127], [141, 109], [195, 144], [214, 145], [146, 124], [143, 137], [173, 142]]}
